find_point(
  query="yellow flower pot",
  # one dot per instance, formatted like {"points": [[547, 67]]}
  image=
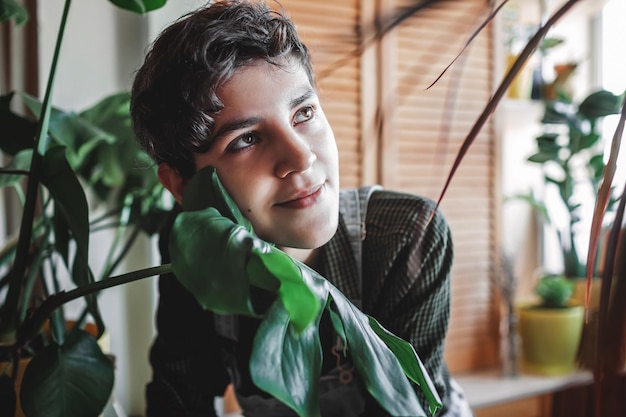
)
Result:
{"points": [[550, 339]]}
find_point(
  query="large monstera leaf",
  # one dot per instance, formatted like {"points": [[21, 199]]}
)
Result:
{"points": [[71, 380], [216, 255]]}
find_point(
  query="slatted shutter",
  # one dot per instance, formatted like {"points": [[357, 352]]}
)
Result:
{"points": [[328, 27], [427, 128], [413, 152]]}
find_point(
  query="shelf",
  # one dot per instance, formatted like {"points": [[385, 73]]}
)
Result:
{"points": [[484, 389]]}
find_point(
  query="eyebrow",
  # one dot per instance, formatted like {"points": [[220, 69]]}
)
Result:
{"points": [[239, 124]]}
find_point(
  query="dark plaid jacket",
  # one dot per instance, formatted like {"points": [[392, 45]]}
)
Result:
{"points": [[406, 285]]}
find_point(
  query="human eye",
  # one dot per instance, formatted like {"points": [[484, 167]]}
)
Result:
{"points": [[304, 114], [243, 142]]}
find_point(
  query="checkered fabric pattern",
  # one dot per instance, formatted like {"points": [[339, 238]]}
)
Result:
{"points": [[407, 255]]}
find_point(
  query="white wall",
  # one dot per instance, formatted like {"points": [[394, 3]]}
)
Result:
{"points": [[103, 46]]}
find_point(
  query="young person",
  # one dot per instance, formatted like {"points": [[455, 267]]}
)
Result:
{"points": [[231, 85]]}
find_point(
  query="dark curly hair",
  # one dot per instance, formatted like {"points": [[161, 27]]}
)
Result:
{"points": [[173, 97]]}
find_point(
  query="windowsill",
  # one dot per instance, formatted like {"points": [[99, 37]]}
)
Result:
{"points": [[483, 389]]}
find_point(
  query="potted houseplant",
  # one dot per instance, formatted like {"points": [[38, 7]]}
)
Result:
{"points": [[571, 158], [550, 329], [572, 162]]}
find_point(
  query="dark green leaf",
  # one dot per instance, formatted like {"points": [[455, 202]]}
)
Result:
{"points": [[218, 261], [152, 222], [69, 129], [11, 9], [410, 362], [301, 304], [18, 133], [64, 187], [596, 163], [113, 174], [542, 157], [21, 161], [547, 143], [205, 190], [8, 398], [287, 362], [61, 234], [111, 108], [599, 104], [377, 365], [209, 256], [558, 112], [587, 141], [73, 380], [139, 6]]}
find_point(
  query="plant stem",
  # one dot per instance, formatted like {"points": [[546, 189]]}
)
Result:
{"points": [[33, 324], [530, 48], [8, 314]]}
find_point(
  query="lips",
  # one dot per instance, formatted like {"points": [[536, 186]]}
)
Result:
{"points": [[304, 198]]}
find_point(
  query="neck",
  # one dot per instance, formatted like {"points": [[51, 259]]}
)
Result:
{"points": [[308, 257]]}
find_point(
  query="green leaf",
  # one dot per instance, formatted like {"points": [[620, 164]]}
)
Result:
{"points": [[10, 9], [596, 163], [60, 180], [542, 157], [62, 234], [377, 365], [139, 6], [410, 362], [301, 304], [21, 161], [547, 143], [218, 261], [558, 112], [69, 129], [599, 104], [209, 255], [113, 173], [64, 187], [72, 380], [587, 141], [287, 362], [206, 190]]}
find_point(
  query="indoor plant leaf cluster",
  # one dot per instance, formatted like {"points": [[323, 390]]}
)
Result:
{"points": [[219, 261], [572, 161], [59, 159], [554, 291]]}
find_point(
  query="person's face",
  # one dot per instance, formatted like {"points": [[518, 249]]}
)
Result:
{"points": [[276, 155]]}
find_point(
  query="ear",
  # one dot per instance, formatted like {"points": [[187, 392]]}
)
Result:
{"points": [[172, 180]]}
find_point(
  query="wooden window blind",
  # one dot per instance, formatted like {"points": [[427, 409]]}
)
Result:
{"points": [[427, 127], [421, 133], [328, 27]]}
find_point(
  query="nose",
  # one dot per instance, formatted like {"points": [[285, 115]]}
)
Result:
{"points": [[294, 154]]}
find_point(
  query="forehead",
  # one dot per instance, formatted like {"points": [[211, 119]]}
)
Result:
{"points": [[263, 84]]}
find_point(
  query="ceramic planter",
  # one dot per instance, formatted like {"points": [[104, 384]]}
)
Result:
{"points": [[550, 339]]}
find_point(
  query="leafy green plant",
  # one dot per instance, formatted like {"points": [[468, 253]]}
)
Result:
{"points": [[554, 291], [58, 160], [612, 311], [289, 332], [571, 160]]}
